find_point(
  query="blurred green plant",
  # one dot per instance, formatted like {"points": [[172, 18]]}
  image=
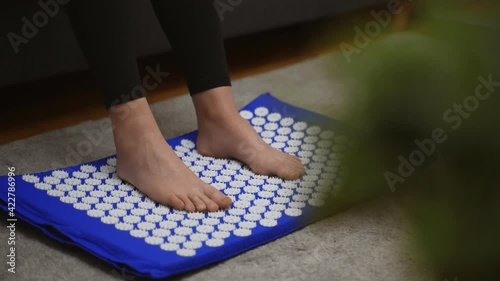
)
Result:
{"points": [[436, 94]]}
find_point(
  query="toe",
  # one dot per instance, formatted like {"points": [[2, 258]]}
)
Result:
{"points": [[297, 163], [294, 160], [188, 205], [218, 197], [198, 203], [288, 174], [290, 170], [211, 205], [175, 202]]}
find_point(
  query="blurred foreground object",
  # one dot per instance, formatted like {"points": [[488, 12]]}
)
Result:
{"points": [[429, 104]]}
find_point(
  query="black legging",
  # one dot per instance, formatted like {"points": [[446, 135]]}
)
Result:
{"points": [[106, 32]]}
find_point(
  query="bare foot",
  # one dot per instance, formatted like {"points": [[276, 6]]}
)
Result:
{"points": [[223, 133], [145, 160]]}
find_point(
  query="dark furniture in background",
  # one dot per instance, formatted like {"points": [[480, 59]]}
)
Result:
{"points": [[54, 49]]}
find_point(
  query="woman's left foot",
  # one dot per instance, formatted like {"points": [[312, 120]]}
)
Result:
{"points": [[223, 133]]}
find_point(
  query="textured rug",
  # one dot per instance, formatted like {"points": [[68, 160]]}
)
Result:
{"points": [[366, 242]]}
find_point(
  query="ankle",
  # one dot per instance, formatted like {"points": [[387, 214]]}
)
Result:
{"points": [[215, 105], [133, 123]]}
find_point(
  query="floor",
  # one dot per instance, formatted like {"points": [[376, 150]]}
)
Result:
{"points": [[366, 242], [369, 241], [77, 100]]}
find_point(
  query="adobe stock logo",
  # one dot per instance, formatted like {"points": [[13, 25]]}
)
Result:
{"points": [[372, 29], [40, 19], [222, 7], [453, 116]]}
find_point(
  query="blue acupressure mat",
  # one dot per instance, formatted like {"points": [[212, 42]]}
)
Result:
{"points": [[88, 206]]}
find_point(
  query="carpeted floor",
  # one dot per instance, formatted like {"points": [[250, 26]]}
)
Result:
{"points": [[367, 242]]}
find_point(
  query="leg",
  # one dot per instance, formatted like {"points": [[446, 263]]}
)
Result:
{"points": [[222, 132], [147, 161], [193, 29], [107, 39], [143, 157]]}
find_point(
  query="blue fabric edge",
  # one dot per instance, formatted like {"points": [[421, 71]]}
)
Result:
{"points": [[251, 242]]}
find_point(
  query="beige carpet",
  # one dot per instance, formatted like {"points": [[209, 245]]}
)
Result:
{"points": [[367, 242]]}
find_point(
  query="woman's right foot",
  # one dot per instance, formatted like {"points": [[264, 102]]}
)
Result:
{"points": [[145, 160]]}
